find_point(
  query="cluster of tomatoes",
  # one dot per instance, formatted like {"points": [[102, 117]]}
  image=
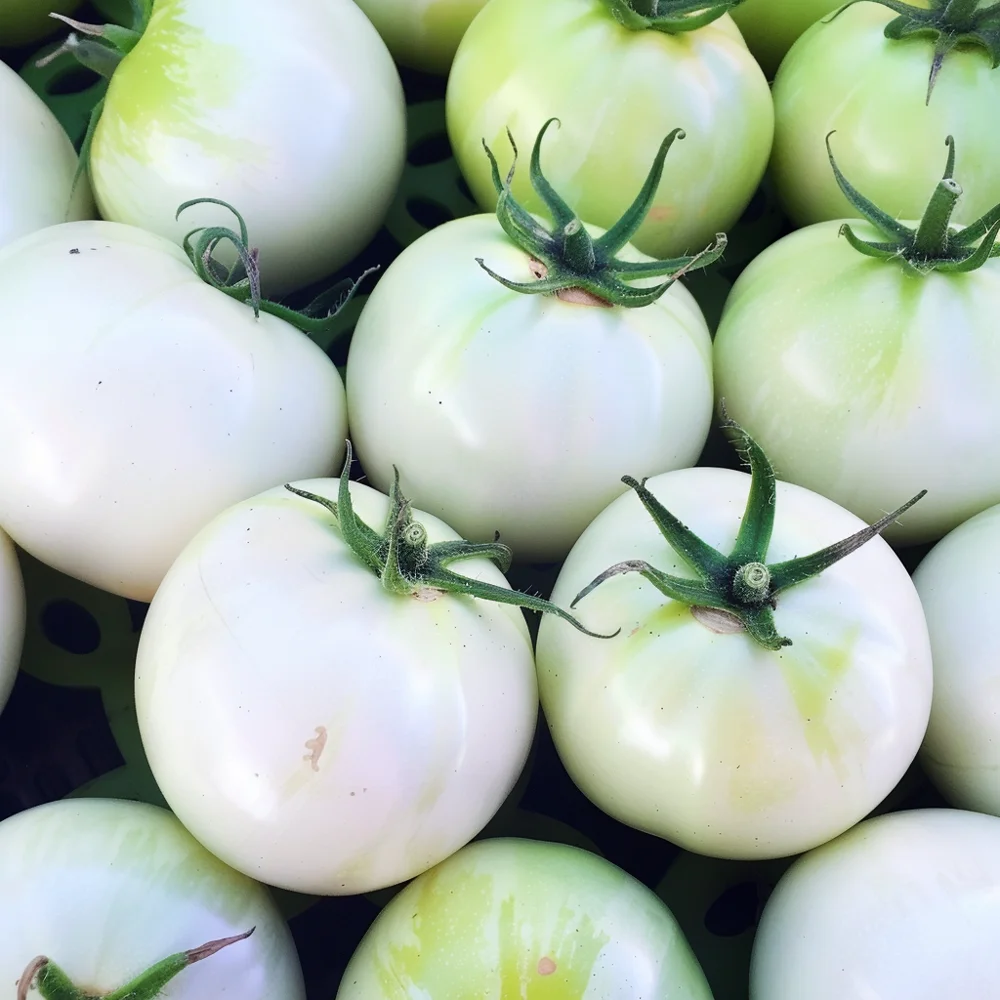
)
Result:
{"points": [[336, 686]]}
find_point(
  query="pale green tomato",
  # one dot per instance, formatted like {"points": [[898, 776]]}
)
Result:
{"points": [[903, 907], [423, 34], [136, 402], [519, 918], [291, 112], [519, 413], [706, 738], [106, 888], [769, 27], [12, 616], [847, 76], [617, 93], [959, 587], [866, 382], [314, 730], [37, 164], [26, 21]]}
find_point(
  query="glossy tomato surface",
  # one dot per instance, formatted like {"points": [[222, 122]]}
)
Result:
{"points": [[706, 738], [107, 888], [846, 76], [294, 114], [513, 412], [903, 907], [138, 402], [617, 93], [314, 730], [865, 381], [505, 918]]}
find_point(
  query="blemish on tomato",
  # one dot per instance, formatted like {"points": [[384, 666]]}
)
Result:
{"points": [[546, 966], [315, 746], [661, 213]]}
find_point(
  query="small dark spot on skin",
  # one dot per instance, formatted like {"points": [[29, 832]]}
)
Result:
{"points": [[75, 250]]}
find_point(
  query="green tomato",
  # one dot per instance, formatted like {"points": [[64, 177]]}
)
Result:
{"points": [[770, 27], [423, 34], [520, 918], [846, 76], [865, 381], [25, 21], [617, 93]]}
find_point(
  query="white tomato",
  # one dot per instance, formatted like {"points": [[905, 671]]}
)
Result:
{"points": [[37, 164], [106, 889], [730, 743], [903, 907], [12, 616], [960, 590], [313, 729], [138, 402], [293, 112]]}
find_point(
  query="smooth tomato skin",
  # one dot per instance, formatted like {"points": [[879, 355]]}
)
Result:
{"points": [[617, 93], [597, 391], [770, 27], [903, 907], [12, 617], [107, 888], [866, 382], [25, 21], [294, 114], [422, 34], [709, 740], [37, 164], [343, 739], [547, 920], [846, 76], [957, 583], [139, 402]]}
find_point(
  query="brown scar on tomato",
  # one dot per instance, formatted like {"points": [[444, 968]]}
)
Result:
{"points": [[578, 295], [546, 966], [315, 746]]}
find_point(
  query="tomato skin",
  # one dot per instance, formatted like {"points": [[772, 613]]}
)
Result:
{"points": [[37, 164], [344, 738], [423, 34], [107, 888], [600, 391], [25, 21], [770, 27], [12, 616], [829, 359], [547, 920], [846, 76], [139, 402], [957, 583], [294, 114], [617, 93], [709, 740], [902, 907]]}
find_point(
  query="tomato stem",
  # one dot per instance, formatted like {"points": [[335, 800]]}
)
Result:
{"points": [[54, 984], [409, 565], [742, 583], [670, 16], [575, 259], [934, 245], [948, 23]]}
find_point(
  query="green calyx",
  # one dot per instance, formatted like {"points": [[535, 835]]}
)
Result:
{"points": [[100, 47], [948, 23], [409, 565], [571, 257], [742, 585], [53, 984], [934, 245], [242, 280], [671, 16]]}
